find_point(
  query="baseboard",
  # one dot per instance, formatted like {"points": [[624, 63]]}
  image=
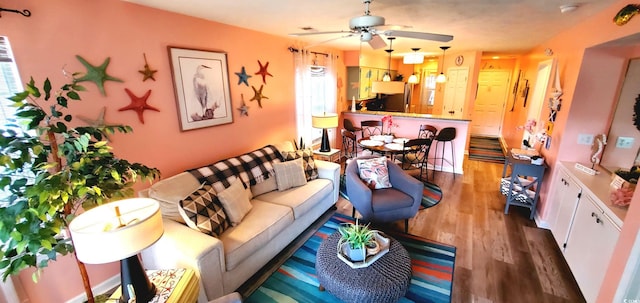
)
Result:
{"points": [[101, 288], [541, 223]]}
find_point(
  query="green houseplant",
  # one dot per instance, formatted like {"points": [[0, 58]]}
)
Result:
{"points": [[354, 239], [48, 171]]}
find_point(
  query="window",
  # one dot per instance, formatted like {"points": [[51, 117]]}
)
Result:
{"points": [[318, 96], [9, 86], [9, 80]]}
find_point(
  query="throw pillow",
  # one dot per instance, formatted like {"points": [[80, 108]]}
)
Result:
{"points": [[289, 174], [203, 212], [310, 168], [374, 172], [235, 202]]}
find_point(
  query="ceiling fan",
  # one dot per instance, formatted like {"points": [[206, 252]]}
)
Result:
{"points": [[370, 27]]}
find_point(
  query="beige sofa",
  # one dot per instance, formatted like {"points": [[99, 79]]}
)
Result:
{"points": [[224, 263]]}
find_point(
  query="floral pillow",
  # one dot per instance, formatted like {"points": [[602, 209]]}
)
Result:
{"points": [[374, 172]]}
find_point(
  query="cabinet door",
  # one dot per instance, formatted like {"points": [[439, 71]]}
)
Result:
{"points": [[565, 197], [590, 246]]}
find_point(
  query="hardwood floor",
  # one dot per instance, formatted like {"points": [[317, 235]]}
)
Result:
{"points": [[500, 258]]}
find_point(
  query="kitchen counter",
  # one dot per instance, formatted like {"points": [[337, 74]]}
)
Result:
{"points": [[407, 115]]}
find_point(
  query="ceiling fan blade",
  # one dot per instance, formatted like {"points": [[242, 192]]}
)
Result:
{"points": [[319, 33], [419, 35], [377, 42]]}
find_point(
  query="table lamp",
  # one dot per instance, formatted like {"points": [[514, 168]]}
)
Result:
{"points": [[118, 231], [325, 121]]}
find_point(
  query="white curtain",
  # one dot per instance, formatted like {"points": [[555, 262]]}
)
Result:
{"points": [[316, 91]]}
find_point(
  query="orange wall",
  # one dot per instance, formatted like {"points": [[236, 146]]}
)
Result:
{"points": [[586, 108], [59, 30]]}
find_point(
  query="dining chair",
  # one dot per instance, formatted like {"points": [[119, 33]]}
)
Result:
{"points": [[427, 131], [349, 145], [414, 157], [371, 127]]}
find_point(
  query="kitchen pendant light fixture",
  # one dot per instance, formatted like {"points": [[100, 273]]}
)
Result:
{"points": [[387, 76], [441, 77], [414, 59]]}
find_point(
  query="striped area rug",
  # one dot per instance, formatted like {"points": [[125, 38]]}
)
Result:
{"points": [[295, 281], [485, 149]]}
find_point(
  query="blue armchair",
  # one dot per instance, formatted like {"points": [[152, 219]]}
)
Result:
{"points": [[400, 202]]}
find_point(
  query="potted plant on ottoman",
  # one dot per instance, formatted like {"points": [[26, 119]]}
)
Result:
{"points": [[354, 240]]}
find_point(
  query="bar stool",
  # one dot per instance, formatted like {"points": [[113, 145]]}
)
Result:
{"points": [[349, 144], [447, 134]]}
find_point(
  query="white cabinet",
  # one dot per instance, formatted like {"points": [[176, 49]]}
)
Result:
{"points": [[589, 247], [584, 224], [565, 198]]}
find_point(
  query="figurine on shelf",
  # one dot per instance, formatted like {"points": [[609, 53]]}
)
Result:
{"points": [[596, 149]]}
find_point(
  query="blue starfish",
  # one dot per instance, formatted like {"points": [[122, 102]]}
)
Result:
{"points": [[243, 77], [96, 74]]}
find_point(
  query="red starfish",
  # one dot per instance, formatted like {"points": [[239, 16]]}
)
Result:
{"points": [[138, 104], [263, 71]]}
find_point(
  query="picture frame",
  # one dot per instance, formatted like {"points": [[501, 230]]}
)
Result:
{"points": [[201, 85]]}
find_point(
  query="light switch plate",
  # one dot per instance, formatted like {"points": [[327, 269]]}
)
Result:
{"points": [[624, 142], [585, 139]]}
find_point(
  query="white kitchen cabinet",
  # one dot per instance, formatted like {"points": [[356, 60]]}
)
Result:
{"points": [[565, 195], [589, 247], [585, 224]]}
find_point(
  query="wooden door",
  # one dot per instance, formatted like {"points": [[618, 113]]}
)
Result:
{"points": [[493, 90], [455, 91]]}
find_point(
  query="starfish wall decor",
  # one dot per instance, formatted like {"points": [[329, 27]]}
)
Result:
{"points": [[244, 109], [138, 104], [99, 122], [96, 74], [263, 71], [257, 95], [147, 71], [243, 77]]}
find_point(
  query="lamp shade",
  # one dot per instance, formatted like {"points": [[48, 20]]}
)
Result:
{"points": [[325, 121], [441, 78], [387, 87], [413, 79], [116, 230]]}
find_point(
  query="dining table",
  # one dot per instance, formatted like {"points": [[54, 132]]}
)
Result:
{"points": [[378, 145]]}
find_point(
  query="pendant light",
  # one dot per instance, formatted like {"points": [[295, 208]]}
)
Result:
{"points": [[387, 76], [441, 77], [415, 59]]}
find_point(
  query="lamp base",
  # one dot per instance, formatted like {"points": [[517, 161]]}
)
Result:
{"points": [[132, 273], [324, 146]]}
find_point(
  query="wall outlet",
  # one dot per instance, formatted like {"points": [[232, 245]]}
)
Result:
{"points": [[585, 139], [624, 142]]}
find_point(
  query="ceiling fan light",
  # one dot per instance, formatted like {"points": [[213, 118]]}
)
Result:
{"points": [[366, 36], [441, 78]]}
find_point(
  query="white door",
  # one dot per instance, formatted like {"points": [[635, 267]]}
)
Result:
{"points": [[455, 91], [493, 89]]}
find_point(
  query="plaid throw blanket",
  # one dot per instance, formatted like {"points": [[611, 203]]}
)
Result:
{"points": [[252, 168]]}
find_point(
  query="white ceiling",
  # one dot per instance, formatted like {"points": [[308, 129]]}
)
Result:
{"points": [[496, 27]]}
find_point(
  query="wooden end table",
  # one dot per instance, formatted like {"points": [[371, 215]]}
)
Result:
{"points": [[173, 286], [332, 156]]}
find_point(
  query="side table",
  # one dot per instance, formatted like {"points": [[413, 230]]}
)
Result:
{"points": [[522, 188], [332, 156], [173, 286]]}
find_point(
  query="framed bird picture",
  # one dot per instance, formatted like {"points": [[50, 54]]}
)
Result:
{"points": [[201, 83]]}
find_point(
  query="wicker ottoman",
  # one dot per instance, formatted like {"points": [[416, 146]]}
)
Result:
{"points": [[386, 280]]}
